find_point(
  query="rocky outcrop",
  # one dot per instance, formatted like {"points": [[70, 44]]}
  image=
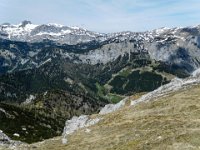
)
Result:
{"points": [[6, 142], [77, 123], [175, 85]]}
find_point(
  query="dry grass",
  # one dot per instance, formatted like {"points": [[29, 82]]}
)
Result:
{"points": [[171, 122]]}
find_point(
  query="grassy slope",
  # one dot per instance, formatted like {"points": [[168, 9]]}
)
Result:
{"points": [[171, 122]]}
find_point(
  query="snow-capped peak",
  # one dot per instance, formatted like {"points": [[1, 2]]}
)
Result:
{"points": [[55, 24], [11, 31], [28, 32], [75, 27], [161, 30]]}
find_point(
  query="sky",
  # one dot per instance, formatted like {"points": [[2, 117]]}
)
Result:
{"points": [[104, 15]]}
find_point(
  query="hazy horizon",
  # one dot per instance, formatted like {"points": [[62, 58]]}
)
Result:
{"points": [[104, 15]]}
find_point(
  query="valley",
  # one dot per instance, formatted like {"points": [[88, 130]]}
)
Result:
{"points": [[50, 73]]}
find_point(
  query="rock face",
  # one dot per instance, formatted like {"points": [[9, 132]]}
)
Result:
{"points": [[84, 121], [177, 47], [77, 123], [112, 107]]}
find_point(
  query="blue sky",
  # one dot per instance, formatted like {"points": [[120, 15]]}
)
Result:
{"points": [[104, 15]]}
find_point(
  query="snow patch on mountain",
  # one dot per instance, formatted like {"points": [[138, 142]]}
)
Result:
{"points": [[161, 30], [76, 28], [55, 24], [49, 33], [17, 30], [28, 32], [7, 54]]}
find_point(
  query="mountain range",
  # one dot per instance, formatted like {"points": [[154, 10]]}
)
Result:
{"points": [[50, 73]]}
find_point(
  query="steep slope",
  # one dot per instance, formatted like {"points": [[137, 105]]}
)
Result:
{"points": [[28, 125], [58, 71], [170, 121], [44, 117]]}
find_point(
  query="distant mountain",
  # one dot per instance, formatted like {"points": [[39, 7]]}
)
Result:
{"points": [[22, 46], [28, 32]]}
